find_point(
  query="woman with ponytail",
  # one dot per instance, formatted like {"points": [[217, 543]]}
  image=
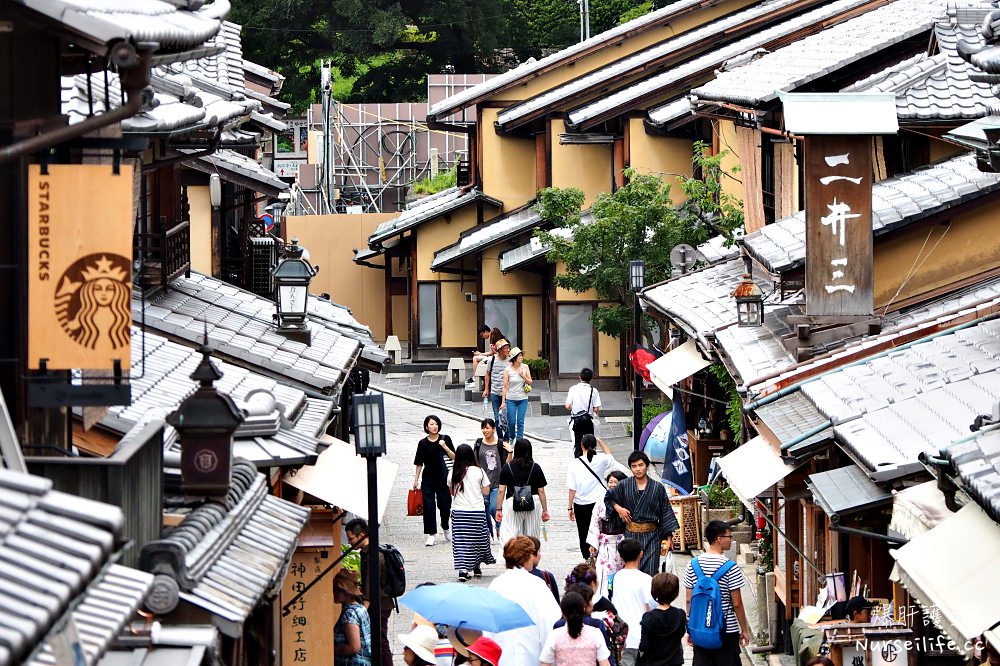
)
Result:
{"points": [[585, 480], [575, 644]]}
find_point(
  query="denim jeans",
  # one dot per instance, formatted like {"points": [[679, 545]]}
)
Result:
{"points": [[491, 511], [516, 411], [495, 401]]}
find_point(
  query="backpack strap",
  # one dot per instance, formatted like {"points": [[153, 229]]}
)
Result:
{"points": [[723, 570], [697, 568]]}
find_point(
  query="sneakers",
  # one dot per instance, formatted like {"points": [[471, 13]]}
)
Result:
{"points": [[447, 535], [477, 572], [463, 576], [430, 540]]}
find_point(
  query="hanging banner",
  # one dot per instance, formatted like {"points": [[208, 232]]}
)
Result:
{"points": [[79, 266]]}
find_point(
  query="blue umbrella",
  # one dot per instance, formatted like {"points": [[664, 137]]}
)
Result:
{"points": [[472, 607]]}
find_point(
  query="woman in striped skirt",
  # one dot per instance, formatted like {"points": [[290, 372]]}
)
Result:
{"points": [[470, 539]]}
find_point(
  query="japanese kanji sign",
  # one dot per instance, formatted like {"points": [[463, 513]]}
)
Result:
{"points": [[838, 178]]}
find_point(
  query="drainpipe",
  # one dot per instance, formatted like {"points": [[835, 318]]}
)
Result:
{"points": [[944, 471], [134, 68]]}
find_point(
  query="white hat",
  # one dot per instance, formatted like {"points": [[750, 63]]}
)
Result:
{"points": [[515, 351], [422, 639]]}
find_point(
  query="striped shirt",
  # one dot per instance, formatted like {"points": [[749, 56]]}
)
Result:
{"points": [[733, 580]]}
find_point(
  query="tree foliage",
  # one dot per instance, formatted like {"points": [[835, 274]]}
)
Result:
{"points": [[386, 48], [637, 221]]}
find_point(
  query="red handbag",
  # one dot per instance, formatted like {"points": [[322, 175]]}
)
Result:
{"points": [[415, 502]]}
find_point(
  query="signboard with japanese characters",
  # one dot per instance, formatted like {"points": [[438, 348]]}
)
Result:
{"points": [[79, 266], [838, 179], [307, 629]]}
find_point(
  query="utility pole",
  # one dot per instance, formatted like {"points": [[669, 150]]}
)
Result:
{"points": [[327, 89]]}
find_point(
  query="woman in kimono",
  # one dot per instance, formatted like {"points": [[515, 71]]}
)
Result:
{"points": [[605, 533], [644, 507]]}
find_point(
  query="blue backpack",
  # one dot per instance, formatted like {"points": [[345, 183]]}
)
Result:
{"points": [[706, 622]]}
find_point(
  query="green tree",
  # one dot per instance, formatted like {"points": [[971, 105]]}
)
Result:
{"points": [[388, 46], [637, 221]]}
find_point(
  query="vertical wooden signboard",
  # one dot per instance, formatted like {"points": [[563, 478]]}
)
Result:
{"points": [[307, 630], [80, 266], [838, 180]]}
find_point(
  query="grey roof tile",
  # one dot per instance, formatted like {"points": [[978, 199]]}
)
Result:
{"points": [[426, 209], [896, 202], [248, 318], [55, 561], [169, 24], [808, 59], [231, 554], [977, 461], [846, 490], [234, 164], [891, 408], [713, 33], [487, 234]]}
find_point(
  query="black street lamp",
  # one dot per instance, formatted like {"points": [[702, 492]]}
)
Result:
{"points": [[368, 427], [749, 303], [637, 280], [206, 422], [292, 276]]}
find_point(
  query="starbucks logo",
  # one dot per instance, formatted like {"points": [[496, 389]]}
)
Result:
{"points": [[92, 301]]}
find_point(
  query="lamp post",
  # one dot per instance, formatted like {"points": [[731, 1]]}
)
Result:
{"points": [[637, 280], [749, 303], [206, 422], [368, 426], [292, 276]]}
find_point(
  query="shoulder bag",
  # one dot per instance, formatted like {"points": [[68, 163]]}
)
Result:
{"points": [[584, 416], [523, 498]]}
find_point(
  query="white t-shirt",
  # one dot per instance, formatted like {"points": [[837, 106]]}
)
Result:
{"points": [[470, 496], [632, 596], [587, 648], [588, 489], [578, 398]]}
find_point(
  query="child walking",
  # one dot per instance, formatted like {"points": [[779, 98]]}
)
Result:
{"points": [[664, 626]]}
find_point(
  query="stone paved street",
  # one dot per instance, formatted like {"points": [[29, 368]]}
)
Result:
{"points": [[405, 427]]}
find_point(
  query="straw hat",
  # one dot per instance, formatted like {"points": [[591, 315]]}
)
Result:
{"points": [[502, 342], [422, 640], [515, 351], [347, 581], [462, 637]]}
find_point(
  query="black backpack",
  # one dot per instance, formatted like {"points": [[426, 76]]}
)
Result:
{"points": [[394, 573]]}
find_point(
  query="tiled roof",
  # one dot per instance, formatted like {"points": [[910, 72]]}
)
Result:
{"points": [[285, 433], [240, 327], [234, 166], [55, 560], [701, 301], [225, 557], [792, 416], [426, 209], [890, 408], [758, 352], [265, 73], [977, 461], [534, 248], [655, 57], [339, 318], [937, 87], [896, 202], [189, 95], [495, 231], [526, 70], [808, 59], [678, 79], [169, 24], [846, 490]]}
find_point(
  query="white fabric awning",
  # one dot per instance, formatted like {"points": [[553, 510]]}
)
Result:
{"points": [[753, 468], [918, 509], [340, 478], [675, 365], [961, 590]]}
